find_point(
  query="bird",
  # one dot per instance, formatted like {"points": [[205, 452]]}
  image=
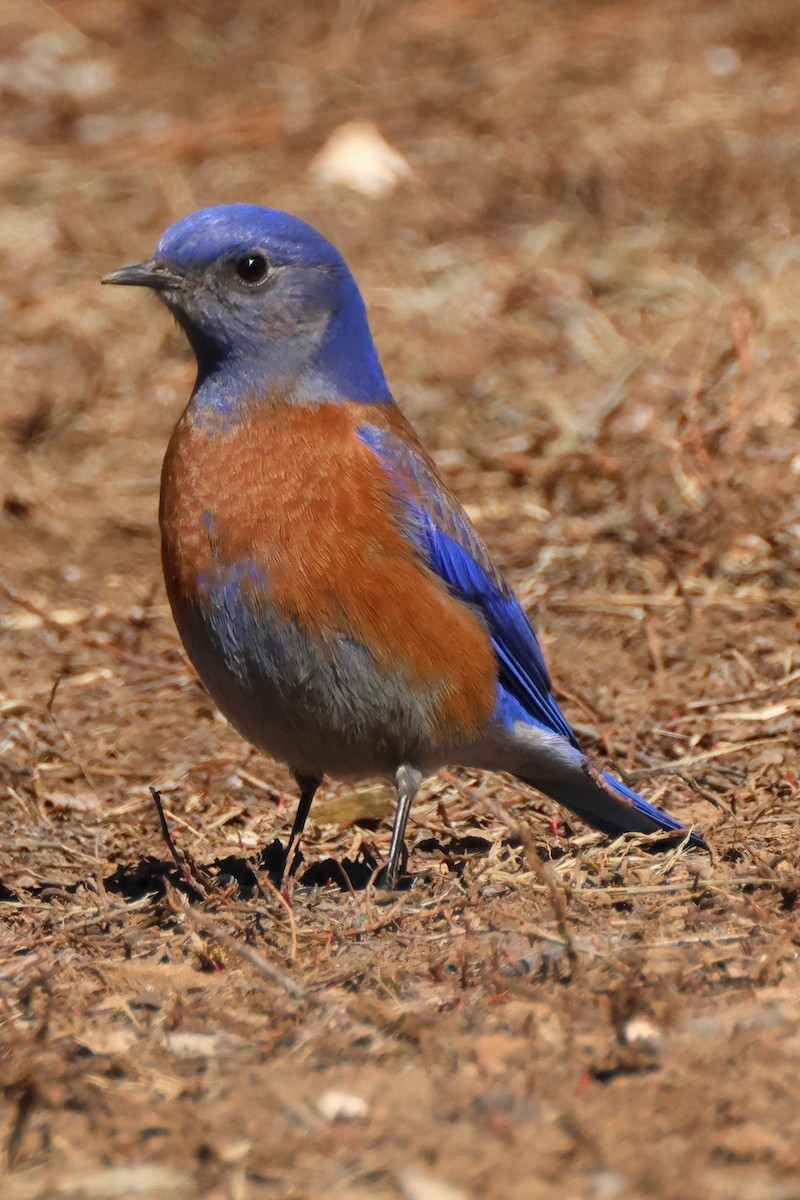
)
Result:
{"points": [[330, 590]]}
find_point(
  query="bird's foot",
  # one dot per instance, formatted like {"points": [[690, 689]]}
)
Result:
{"points": [[393, 877], [279, 863]]}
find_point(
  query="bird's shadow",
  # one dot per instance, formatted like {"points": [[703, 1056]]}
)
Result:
{"points": [[246, 878]]}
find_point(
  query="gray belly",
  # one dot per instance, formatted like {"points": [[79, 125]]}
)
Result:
{"points": [[320, 705]]}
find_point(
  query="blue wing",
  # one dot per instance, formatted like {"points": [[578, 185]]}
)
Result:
{"points": [[452, 549], [450, 546]]}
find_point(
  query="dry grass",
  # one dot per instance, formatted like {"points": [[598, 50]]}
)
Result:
{"points": [[587, 300]]}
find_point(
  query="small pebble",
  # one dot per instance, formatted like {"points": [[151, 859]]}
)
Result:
{"points": [[417, 1185], [341, 1106]]}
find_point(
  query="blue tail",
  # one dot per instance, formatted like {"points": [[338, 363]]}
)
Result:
{"points": [[608, 804]]}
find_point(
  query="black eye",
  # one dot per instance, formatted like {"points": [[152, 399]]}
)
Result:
{"points": [[253, 268]]}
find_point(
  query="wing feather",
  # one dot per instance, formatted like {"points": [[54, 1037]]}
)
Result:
{"points": [[452, 549]]}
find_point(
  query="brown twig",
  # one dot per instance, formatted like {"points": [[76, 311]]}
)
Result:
{"points": [[242, 950], [531, 856], [290, 915], [539, 868], [183, 867], [764, 690]]}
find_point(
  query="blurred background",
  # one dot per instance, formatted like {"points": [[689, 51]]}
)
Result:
{"points": [[575, 224], [570, 220]]}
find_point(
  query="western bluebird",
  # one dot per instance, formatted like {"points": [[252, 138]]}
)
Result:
{"points": [[330, 591]]}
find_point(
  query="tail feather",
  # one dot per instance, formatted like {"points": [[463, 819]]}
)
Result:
{"points": [[608, 804]]}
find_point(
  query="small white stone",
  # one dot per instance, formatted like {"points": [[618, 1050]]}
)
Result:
{"points": [[640, 1031], [341, 1106], [357, 156], [722, 61], [417, 1185]]}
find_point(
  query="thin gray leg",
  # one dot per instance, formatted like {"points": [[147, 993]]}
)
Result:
{"points": [[308, 785], [407, 780]]}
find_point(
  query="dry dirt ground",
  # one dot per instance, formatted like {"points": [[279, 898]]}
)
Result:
{"points": [[587, 296]]}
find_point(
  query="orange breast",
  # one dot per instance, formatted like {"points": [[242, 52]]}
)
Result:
{"points": [[295, 491]]}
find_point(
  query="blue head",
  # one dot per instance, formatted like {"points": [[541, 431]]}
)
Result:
{"points": [[266, 303]]}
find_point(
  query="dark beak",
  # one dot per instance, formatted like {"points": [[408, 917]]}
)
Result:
{"points": [[152, 274]]}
